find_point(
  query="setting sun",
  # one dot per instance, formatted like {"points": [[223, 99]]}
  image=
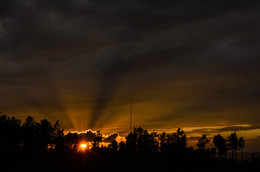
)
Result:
{"points": [[83, 146]]}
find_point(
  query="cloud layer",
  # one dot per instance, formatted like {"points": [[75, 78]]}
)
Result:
{"points": [[185, 63]]}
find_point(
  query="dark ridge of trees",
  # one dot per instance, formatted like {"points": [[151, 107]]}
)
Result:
{"points": [[43, 146]]}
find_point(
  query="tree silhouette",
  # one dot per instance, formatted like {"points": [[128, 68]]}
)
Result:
{"points": [[180, 139], [164, 142], [10, 133], [58, 137], [175, 142], [142, 141], [45, 134], [41, 136], [97, 139], [114, 146], [30, 134], [122, 146], [131, 142], [202, 143], [232, 143], [154, 141], [220, 144], [241, 146], [145, 141], [213, 152], [71, 140]]}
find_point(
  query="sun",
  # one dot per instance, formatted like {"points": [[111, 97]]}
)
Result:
{"points": [[83, 146]]}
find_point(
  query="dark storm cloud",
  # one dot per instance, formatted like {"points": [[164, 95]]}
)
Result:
{"points": [[225, 129], [237, 128], [94, 46]]}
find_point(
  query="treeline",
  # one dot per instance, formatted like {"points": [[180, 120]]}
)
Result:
{"points": [[43, 136], [30, 135], [142, 141], [45, 144]]}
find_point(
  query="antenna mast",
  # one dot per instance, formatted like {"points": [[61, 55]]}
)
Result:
{"points": [[131, 110]]}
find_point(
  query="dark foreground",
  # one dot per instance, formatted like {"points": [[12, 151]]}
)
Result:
{"points": [[121, 161]]}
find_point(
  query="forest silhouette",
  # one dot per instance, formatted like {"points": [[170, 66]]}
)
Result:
{"points": [[43, 146]]}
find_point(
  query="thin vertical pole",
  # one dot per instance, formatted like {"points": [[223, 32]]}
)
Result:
{"points": [[131, 110]]}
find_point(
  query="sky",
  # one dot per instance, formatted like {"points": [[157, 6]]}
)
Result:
{"points": [[192, 64]]}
